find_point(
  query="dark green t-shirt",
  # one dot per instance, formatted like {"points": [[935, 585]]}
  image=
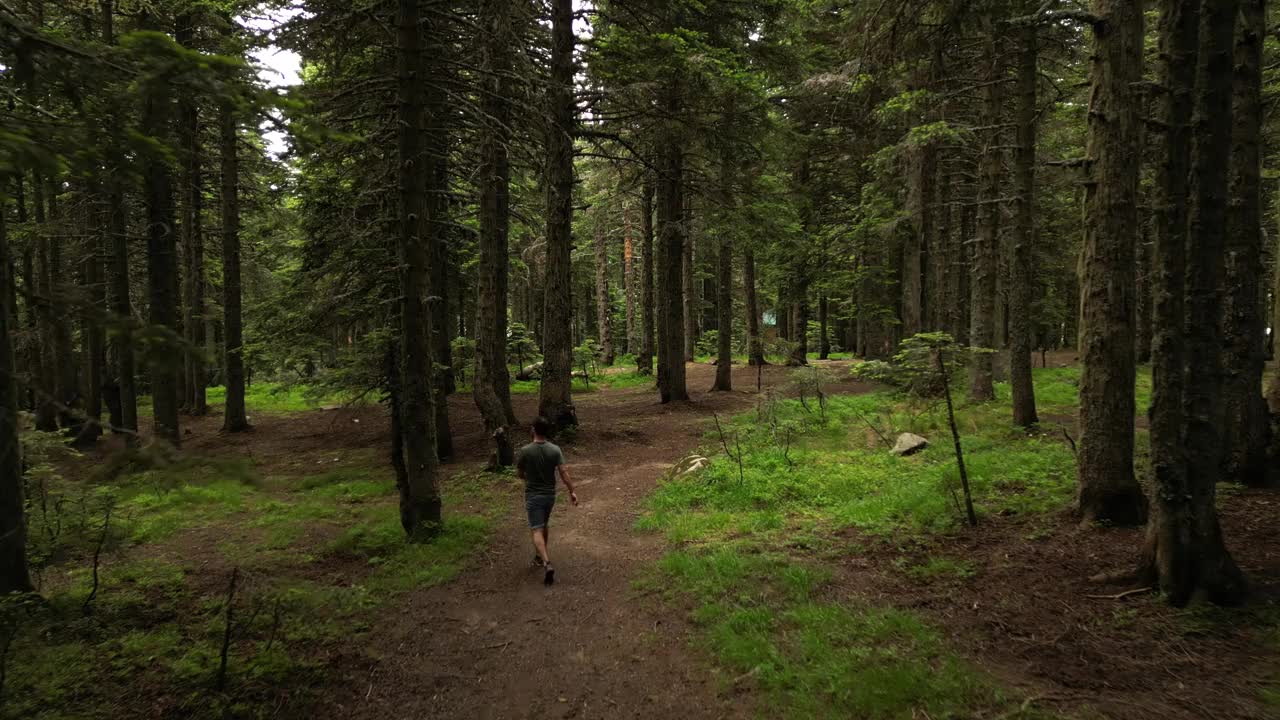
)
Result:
{"points": [[538, 462]]}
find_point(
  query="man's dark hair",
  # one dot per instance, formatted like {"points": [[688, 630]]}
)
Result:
{"points": [[542, 426]]}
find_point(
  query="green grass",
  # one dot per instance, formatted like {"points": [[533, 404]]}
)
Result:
{"points": [[765, 620]]}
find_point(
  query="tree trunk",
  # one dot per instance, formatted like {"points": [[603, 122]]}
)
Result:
{"points": [[688, 291], [800, 327], [1108, 490], [628, 283], [162, 273], [644, 361], [724, 316], [671, 286], [495, 178], [1185, 551], [14, 576], [441, 275], [234, 418], [755, 343], [555, 401], [919, 207], [1023, 273], [824, 339], [1247, 430], [604, 313], [1143, 330], [193, 400], [420, 507], [982, 316]]}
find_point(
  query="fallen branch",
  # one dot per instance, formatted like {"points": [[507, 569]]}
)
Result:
{"points": [[1121, 595]]}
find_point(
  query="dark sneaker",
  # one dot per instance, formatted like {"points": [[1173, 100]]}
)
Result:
{"points": [[549, 577], [537, 560]]}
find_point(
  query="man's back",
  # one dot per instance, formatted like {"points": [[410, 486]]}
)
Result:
{"points": [[538, 461]]}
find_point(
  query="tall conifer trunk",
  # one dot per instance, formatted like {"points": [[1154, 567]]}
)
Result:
{"points": [[604, 310], [420, 507], [671, 232], [491, 375], [234, 418], [1248, 424], [1108, 490], [14, 576], [644, 360], [755, 343], [555, 401], [1023, 274], [982, 316]]}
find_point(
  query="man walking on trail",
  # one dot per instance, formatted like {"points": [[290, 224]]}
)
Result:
{"points": [[538, 463]]}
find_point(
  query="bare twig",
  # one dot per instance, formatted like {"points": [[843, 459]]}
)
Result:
{"points": [[226, 633], [97, 560], [1121, 595]]}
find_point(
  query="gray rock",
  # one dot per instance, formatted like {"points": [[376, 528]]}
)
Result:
{"points": [[909, 444]]}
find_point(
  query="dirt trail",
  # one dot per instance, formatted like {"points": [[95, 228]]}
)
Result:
{"points": [[495, 643]]}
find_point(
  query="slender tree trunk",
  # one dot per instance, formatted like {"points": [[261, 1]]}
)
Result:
{"points": [[824, 338], [628, 283], [555, 400], [495, 177], [604, 311], [14, 576], [919, 207], [1108, 490], [755, 343], [644, 361], [193, 239], [1185, 549], [689, 292], [1247, 430], [1143, 330], [1023, 273], [724, 316], [234, 418], [420, 506], [162, 273], [441, 276], [985, 250]]}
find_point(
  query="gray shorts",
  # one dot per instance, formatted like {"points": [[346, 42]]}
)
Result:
{"points": [[539, 509]]}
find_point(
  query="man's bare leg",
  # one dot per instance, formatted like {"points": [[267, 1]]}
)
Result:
{"points": [[540, 544]]}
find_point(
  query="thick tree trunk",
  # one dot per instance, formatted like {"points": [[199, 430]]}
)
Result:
{"points": [[1023, 273], [420, 507], [604, 310], [14, 576], [644, 360], [945, 260], [555, 401], [162, 274], [755, 342], [1247, 429], [234, 418], [671, 230], [495, 176], [1108, 490], [982, 317], [800, 329], [1185, 551]]}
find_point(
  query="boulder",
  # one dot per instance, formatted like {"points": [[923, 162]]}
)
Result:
{"points": [[909, 444], [530, 372]]}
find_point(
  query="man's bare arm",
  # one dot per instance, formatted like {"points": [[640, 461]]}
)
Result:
{"points": [[564, 477]]}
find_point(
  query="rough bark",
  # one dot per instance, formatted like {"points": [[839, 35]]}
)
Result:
{"points": [[555, 401], [1144, 311], [1108, 490], [755, 342], [824, 338], [494, 178], [194, 400], [688, 291], [628, 283], [724, 316], [920, 210], [644, 360], [14, 576], [1248, 425], [604, 309], [420, 507], [1185, 550], [162, 272], [441, 274], [986, 242], [234, 418], [1023, 275], [671, 287]]}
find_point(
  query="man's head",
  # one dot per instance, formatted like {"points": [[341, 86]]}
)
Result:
{"points": [[541, 427]]}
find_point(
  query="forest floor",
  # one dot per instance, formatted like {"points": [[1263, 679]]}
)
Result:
{"points": [[804, 573]]}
